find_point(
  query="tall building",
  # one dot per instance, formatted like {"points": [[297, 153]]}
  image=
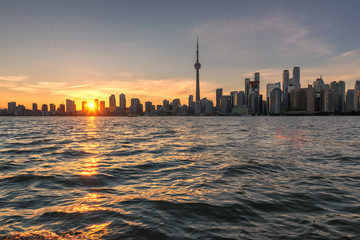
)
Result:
{"points": [[225, 104], [96, 105], [102, 106], [70, 106], [166, 106], [112, 103], [296, 76], [254, 102], [286, 82], [338, 89], [136, 107], [122, 101], [61, 108], [219, 93], [275, 101], [44, 108], [148, 106], [34, 107], [357, 89], [233, 95], [324, 98], [176, 106], [241, 98], [197, 67], [247, 90], [351, 101], [255, 85], [84, 106], [52, 108], [191, 104], [12, 107], [269, 88]]}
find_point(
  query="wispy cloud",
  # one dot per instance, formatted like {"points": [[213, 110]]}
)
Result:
{"points": [[17, 78], [254, 38]]}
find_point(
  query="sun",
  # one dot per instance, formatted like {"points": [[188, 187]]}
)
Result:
{"points": [[91, 106]]}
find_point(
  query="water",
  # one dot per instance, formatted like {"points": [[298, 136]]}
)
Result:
{"points": [[180, 178]]}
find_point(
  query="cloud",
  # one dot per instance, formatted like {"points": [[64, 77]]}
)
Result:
{"points": [[261, 38], [17, 78], [127, 74]]}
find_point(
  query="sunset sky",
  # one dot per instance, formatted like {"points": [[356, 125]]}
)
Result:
{"points": [[51, 51]]}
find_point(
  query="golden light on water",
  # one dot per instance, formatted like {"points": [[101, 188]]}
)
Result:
{"points": [[89, 167]]}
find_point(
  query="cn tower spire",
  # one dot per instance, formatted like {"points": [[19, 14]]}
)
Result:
{"points": [[197, 67]]}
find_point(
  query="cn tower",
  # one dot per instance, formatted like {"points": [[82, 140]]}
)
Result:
{"points": [[197, 67]]}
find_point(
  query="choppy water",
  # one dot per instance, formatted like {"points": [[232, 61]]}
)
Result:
{"points": [[180, 178]]}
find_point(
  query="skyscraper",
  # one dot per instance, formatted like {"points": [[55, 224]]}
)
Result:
{"points": [[233, 95], [338, 89], [296, 76], [219, 93], [286, 90], [112, 103], [197, 67], [122, 100], [247, 90]]}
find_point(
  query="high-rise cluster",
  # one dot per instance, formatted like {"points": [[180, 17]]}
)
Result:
{"points": [[289, 98]]}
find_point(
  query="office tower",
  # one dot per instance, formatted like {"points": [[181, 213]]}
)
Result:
{"points": [[208, 106], [102, 106], [12, 107], [96, 105], [225, 105], [34, 107], [357, 89], [296, 76], [52, 108], [351, 101], [310, 100], [136, 107], [241, 98], [198, 108], [255, 85], [219, 93], [61, 108], [44, 108], [148, 105], [269, 88], [233, 95], [254, 102], [197, 67], [318, 85], [275, 100], [191, 109], [286, 82], [112, 103], [20, 110], [176, 106], [166, 106], [338, 89], [324, 98], [298, 99], [84, 106], [122, 100], [247, 90], [70, 106]]}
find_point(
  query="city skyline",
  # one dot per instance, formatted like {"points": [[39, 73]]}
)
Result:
{"points": [[103, 49]]}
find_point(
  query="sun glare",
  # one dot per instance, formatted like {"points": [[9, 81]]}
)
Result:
{"points": [[91, 106]]}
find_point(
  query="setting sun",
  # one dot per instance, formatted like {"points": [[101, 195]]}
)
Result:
{"points": [[91, 106]]}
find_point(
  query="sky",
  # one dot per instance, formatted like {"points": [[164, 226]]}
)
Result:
{"points": [[82, 50]]}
